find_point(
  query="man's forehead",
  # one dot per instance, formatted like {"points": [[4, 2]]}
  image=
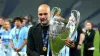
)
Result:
{"points": [[1, 18], [44, 8], [88, 23], [42, 11]]}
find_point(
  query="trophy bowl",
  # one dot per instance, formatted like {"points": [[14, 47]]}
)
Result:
{"points": [[59, 30], [58, 34]]}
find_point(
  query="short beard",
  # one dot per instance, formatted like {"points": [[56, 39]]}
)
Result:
{"points": [[44, 23]]}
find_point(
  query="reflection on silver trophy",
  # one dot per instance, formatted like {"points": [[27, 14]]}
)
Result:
{"points": [[61, 28]]}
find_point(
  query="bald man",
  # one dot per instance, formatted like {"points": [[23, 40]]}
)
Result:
{"points": [[38, 42]]}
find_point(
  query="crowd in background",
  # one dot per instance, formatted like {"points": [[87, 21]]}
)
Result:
{"points": [[13, 34]]}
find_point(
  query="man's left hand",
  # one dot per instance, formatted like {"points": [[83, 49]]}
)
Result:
{"points": [[79, 47], [18, 49]]}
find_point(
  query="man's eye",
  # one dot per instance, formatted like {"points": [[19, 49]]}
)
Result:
{"points": [[45, 13], [40, 14]]}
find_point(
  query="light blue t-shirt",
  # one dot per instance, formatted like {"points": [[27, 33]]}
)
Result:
{"points": [[5, 36], [22, 35]]}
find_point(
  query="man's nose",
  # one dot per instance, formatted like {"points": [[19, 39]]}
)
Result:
{"points": [[43, 16]]}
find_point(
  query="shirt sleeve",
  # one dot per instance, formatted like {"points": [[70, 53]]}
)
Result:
{"points": [[25, 33], [10, 36]]}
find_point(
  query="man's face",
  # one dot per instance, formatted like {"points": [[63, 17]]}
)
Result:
{"points": [[18, 23], [25, 21], [1, 21], [6, 25], [43, 15], [88, 25]]}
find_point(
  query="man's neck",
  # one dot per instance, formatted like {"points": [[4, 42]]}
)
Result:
{"points": [[7, 29], [90, 28], [18, 27], [44, 25]]}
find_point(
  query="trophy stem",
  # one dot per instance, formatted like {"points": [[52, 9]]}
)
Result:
{"points": [[55, 54]]}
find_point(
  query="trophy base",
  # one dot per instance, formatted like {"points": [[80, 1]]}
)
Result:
{"points": [[55, 54]]}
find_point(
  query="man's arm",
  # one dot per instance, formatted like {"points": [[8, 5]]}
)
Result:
{"points": [[82, 37], [12, 45], [31, 44], [24, 43], [11, 40]]}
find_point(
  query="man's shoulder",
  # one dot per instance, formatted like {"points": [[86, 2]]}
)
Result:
{"points": [[13, 28], [24, 27], [35, 25], [79, 29], [92, 30]]}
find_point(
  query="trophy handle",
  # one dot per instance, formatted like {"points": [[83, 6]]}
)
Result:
{"points": [[72, 25]]}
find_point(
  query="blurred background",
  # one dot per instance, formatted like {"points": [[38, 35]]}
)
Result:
{"points": [[89, 9]]}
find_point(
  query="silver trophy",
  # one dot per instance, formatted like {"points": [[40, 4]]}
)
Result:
{"points": [[60, 29]]}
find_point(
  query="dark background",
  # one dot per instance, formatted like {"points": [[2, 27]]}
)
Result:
{"points": [[89, 9]]}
